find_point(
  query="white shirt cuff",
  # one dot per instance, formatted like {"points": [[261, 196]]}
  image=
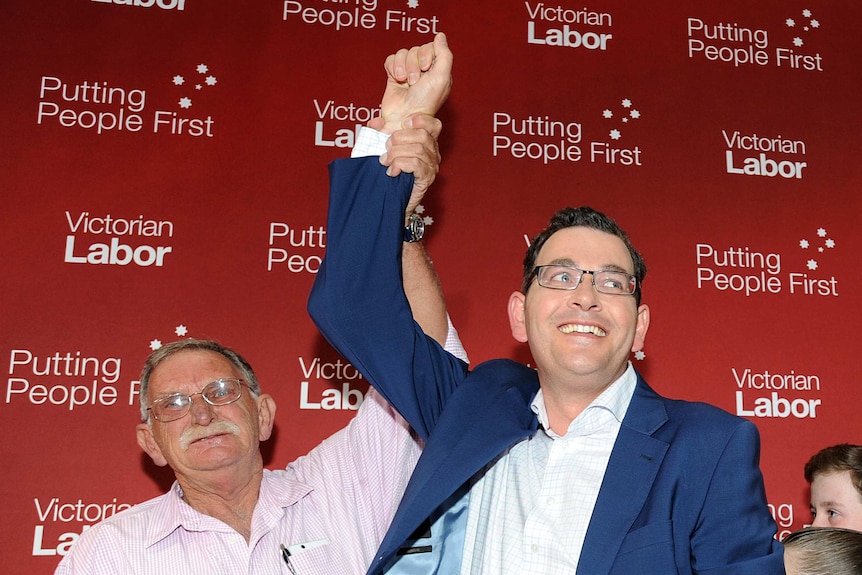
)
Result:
{"points": [[369, 143]]}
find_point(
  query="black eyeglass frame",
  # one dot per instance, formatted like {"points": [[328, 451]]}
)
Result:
{"points": [[630, 283]]}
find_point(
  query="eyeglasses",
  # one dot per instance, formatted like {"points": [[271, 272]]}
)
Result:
{"points": [[219, 392], [569, 278]]}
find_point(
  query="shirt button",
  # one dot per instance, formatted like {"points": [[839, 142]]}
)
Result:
{"points": [[534, 548]]}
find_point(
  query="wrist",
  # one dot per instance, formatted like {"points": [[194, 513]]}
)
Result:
{"points": [[390, 126], [414, 228]]}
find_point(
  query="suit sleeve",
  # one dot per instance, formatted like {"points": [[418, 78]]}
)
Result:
{"points": [[358, 300], [734, 534]]}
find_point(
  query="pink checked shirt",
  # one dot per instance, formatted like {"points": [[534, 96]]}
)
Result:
{"points": [[344, 492]]}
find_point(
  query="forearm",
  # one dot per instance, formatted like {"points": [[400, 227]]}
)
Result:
{"points": [[422, 287]]}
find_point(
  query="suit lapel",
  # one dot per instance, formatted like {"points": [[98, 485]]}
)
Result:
{"points": [[488, 413], [632, 469]]}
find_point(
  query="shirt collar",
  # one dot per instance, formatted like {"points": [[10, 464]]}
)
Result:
{"points": [[172, 512], [615, 399]]}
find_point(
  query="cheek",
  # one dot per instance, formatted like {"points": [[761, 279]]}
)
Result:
{"points": [[246, 418], [164, 441], [543, 310], [253, 425], [534, 325]]}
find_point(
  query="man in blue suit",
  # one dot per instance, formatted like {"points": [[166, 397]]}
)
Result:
{"points": [[577, 466]]}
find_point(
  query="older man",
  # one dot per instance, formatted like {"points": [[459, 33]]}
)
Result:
{"points": [[204, 415]]}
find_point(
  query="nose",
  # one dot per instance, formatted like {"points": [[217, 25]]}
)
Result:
{"points": [[202, 412], [585, 296]]}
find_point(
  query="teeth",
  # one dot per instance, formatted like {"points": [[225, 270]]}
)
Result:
{"points": [[572, 328]]}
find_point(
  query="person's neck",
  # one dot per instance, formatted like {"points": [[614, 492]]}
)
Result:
{"points": [[226, 495], [564, 401], [563, 408]]}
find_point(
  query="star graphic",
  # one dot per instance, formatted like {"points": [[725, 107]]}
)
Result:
{"points": [[615, 134], [211, 80], [812, 264], [806, 13], [202, 68], [627, 103], [181, 330], [797, 41], [607, 114], [635, 114], [821, 232], [830, 243], [179, 80], [804, 244], [155, 344], [185, 103], [640, 355], [790, 22]]}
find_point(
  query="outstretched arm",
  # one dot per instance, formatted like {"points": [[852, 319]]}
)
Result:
{"points": [[359, 299]]}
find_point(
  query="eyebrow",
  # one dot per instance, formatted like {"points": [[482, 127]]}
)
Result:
{"points": [[203, 386], [827, 504], [571, 263]]}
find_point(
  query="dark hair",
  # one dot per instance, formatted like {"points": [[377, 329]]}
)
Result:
{"points": [[192, 344], [843, 457], [823, 551], [588, 218]]}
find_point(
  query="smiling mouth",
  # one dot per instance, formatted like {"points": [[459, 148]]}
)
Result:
{"points": [[579, 328]]}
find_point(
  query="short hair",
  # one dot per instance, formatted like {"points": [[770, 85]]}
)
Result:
{"points": [[192, 344], [824, 551], [585, 217], [842, 457]]}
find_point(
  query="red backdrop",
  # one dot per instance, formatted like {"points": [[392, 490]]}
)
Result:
{"points": [[164, 174]]}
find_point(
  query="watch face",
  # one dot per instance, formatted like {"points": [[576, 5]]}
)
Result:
{"points": [[415, 229]]}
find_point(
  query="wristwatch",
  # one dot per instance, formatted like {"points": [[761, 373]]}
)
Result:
{"points": [[415, 228]]}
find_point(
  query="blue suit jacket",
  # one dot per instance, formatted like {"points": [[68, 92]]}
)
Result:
{"points": [[682, 493]]}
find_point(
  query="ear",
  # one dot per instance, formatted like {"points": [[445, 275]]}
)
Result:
{"points": [[148, 443], [265, 416], [641, 328], [517, 319]]}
